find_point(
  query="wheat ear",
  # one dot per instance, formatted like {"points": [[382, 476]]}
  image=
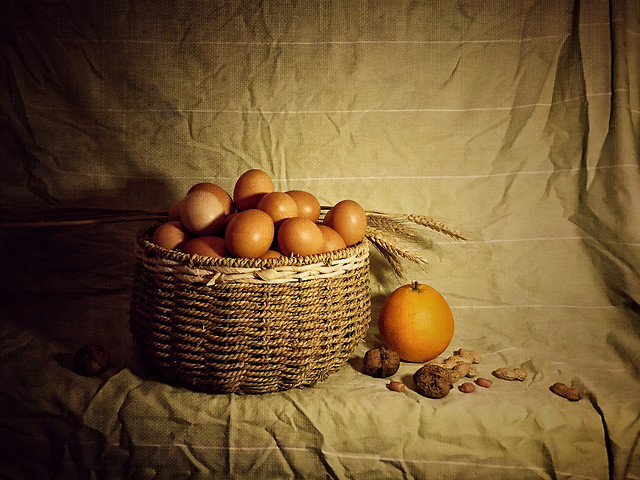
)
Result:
{"points": [[422, 220], [435, 225], [391, 225], [389, 243]]}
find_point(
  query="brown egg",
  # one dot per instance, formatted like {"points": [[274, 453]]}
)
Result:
{"points": [[171, 235], [228, 218], [207, 246], [249, 233], [174, 211], [279, 206], [250, 188], [332, 239], [270, 254], [349, 220], [219, 192], [300, 236], [202, 213], [308, 204]]}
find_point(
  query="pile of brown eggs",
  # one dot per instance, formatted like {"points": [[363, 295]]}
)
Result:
{"points": [[258, 222]]}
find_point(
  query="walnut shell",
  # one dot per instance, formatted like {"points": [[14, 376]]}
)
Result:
{"points": [[91, 360], [433, 381], [380, 362]]}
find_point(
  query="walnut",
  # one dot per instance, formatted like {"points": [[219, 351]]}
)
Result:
{"points": [[91, 360], [380, 362], [433, 381]]}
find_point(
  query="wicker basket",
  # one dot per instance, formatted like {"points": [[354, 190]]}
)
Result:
{"points": [[248, 325]]}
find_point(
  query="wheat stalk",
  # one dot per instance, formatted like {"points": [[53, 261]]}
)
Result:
{"points": [[435, 225], [394, 248], [391, 244], [391, 235], [29, 217], [389, 224], [391, 259], [422, 220]]}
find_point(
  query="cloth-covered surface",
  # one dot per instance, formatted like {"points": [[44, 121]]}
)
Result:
{"points": [[515, 121]]}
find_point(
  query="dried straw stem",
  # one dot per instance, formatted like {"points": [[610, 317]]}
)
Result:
{"points": [[70, 216]]}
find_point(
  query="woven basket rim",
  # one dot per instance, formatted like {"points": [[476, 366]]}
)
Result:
{"points": [[143, 241]]}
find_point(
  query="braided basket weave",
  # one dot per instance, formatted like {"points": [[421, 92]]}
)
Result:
{"points": [[248, 325]]}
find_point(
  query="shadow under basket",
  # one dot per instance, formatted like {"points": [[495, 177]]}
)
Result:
{"points": [[234, 325]]}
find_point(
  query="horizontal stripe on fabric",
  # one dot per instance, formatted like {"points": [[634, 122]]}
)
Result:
{"points": [[275, 42], [537, 239], [332, 111], [338, 42], [368, 177], [533, 305], [347, 455]]}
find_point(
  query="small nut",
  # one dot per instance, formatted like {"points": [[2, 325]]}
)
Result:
{"points": [[449, 363], [396, 386], [432, 381], [460, 370], [466, 387], [91, 360], [466, 355], [473, 371], [380, 362], [483, 382], [572, 394], [510, 374]]}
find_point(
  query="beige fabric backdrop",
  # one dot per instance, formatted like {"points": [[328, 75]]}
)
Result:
{"points": [[515, 121]]}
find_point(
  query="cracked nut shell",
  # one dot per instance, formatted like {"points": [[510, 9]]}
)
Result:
{"points": [[572, 394], [433, 381], [380, 362], [91, 360]]}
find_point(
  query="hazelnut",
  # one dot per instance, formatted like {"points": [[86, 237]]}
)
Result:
{"points": [[396, 386], [91, 360], [483, 382], [380, 362], [467, 387]]}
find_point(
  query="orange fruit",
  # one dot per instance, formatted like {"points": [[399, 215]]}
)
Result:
{"points": [[416, 322]]}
